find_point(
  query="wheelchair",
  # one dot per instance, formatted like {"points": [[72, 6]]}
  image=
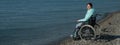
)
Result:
{"points": [[87, 30]]}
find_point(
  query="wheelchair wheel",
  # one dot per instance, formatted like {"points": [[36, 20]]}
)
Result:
{"points": [[87, 32]]}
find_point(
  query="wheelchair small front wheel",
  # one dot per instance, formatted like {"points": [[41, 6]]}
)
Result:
{"points": [[87, 32]]}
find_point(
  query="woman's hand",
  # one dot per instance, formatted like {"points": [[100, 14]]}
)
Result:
{"points": [[78, 20]]}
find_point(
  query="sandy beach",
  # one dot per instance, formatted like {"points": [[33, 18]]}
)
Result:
{"points": [[110, 29]]}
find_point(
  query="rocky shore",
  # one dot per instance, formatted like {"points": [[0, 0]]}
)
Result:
{"points": [[110, 28]]}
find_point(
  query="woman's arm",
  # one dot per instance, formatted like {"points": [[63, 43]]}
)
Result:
{"points": [[88, 15]]}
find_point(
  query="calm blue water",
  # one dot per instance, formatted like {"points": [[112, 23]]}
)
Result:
{"points": [[40, 22]]}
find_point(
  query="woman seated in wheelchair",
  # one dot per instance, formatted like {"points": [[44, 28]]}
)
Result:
{"points": [[88, 17]]}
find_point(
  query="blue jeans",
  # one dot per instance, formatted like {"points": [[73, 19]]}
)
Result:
{"points": [[78, 25]]}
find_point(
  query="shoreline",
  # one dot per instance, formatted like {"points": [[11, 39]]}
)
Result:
{"points": [[104, 23]]}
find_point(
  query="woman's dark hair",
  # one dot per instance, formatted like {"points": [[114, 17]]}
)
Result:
{"points": [[90, 4]]}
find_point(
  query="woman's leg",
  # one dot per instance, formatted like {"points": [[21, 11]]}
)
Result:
{"points": [[78, 25]]}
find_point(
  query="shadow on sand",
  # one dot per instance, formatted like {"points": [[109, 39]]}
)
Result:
{"points": [[108, 37]]}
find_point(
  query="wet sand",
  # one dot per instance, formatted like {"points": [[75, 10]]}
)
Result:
{"points": [[110, 29]]}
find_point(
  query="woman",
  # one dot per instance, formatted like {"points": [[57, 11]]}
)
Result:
{"points": [[90, 11]]}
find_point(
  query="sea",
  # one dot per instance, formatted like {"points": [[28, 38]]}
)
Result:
{"points": [[45, 22]]}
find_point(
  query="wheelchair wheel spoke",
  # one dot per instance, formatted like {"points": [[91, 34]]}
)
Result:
{"points": [[87, 32]]}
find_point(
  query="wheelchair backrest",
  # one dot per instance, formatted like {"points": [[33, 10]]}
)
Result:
{"points": [[92, 20]]}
